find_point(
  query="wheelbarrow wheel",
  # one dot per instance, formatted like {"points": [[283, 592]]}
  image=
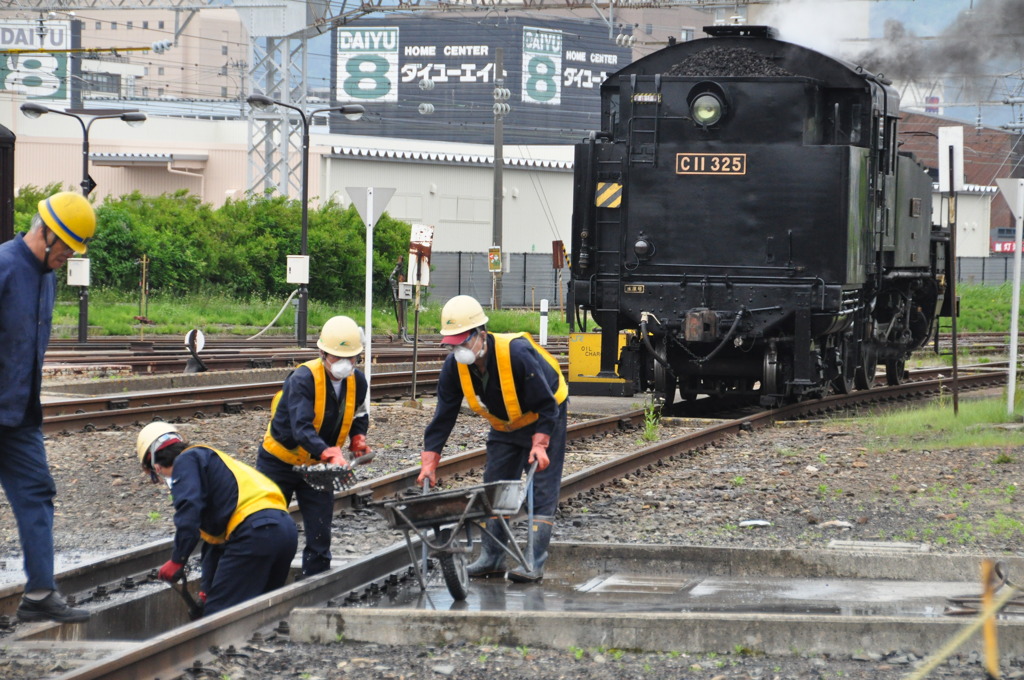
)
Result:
{"points": [[453, 569]]}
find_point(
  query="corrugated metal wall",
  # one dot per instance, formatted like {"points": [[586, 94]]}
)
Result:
{"points": [[529, 279], [994, 270]]}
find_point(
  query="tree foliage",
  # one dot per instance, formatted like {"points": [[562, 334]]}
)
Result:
{"points": [[239, 248]]}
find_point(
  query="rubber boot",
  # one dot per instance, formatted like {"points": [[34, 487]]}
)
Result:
{"points": [[542, 527], [491, 561]]}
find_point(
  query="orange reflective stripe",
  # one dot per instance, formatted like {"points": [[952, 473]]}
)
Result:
{"points": [[299, 455], [255, 492], [503, 358]]}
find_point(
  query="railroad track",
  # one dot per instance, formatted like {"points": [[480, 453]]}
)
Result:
{"points": [[179, 644], [123, 409], [151, 358]]}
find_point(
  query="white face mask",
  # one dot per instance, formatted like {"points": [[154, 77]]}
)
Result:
{"points": [[341, 369], [464, 355]]}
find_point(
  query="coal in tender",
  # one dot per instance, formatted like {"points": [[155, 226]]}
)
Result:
{"points": [[720, 62]]}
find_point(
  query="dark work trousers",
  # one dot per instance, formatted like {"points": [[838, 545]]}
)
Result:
{"points": [[30, 489], [255, 560], [508, 455], [317, 508]]}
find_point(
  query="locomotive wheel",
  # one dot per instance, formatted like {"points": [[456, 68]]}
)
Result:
{"points": [[864, 376], [843, 383], [894, 369], [772, 379], [664, 383]]}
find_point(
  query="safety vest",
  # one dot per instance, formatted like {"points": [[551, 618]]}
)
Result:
{"points": [[503, 357], [255, 492], [299, 455]]}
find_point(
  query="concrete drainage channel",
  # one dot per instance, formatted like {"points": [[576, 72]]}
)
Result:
{"points": [[859, 596], [673, 598]]}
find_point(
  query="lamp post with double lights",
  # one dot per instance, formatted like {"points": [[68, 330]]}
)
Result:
{"points": [[351, 112], [131, 116]]}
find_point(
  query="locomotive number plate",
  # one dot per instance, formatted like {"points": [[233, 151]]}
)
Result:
{"points": [[711, 163], [633, 288]]}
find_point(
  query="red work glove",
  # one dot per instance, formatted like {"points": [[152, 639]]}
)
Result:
{"points": [[202, 597], [171, 571], [358, 446], [428, 467], [333, 455], [539, 450]]}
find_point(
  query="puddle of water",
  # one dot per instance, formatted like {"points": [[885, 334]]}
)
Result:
{"points": [[688, 593]]}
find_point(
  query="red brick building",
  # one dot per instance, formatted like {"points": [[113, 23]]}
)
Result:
{"points": [[989, 153]]}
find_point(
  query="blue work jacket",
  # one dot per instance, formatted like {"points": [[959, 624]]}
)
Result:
{"points": [[535, 380], [293, 420], [27, 292], [205, 493]]}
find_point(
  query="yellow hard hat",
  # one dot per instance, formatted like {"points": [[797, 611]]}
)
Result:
{"points": [[341, 337], [152, 434], [460, 315], [71, 217]]}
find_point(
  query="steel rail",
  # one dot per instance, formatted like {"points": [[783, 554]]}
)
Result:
{"points": [[170, 653]]}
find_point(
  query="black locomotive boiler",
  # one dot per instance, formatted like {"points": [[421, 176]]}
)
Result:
{"points": [[745, 224]]}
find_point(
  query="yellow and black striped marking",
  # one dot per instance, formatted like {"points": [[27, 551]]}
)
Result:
{"points": [[609, 195]]}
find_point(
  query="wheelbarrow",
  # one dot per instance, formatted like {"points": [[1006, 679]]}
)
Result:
{"points": [[444, 522]]}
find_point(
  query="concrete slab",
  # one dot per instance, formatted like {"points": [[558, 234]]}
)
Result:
{"points": [[690, 599]]}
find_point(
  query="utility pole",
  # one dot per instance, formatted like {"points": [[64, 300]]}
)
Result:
{"points": [[500, 108]]}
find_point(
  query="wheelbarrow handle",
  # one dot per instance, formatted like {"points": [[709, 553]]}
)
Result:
{"points": [[533, 469]]}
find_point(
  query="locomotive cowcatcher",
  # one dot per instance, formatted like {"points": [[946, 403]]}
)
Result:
{"points": [[745, 224]]}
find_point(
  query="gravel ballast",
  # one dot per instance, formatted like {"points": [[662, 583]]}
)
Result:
{"points": [[811, 483]]}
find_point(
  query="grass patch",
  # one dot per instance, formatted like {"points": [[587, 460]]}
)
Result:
{"points": [[114, 313], [934, 426]]}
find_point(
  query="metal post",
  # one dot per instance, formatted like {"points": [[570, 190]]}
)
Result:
{"points": [[496, 225], [368, 312], [953, 275], [1015, 301], [303, 311], [87, 187]]}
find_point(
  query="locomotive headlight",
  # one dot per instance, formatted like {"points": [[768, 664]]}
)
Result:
{"points": [[643, 247], [706, 109]]}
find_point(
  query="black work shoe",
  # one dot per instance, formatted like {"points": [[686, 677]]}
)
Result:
{"points": [[51, 608]]}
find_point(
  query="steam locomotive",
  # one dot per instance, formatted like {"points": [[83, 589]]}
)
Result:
{"points": [[745, 224]]}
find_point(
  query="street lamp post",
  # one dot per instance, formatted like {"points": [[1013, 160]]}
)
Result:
{"points": [[350, 111], [132, 117]]}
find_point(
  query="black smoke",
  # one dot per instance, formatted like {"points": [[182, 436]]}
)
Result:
{"points": [[988, 34]]}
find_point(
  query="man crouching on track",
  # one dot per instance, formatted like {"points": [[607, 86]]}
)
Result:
{"points": [[322, 402], [518, 387], [250, 539]]}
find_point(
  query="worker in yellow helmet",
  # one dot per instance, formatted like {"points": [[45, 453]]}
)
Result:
{"points": [[240, 514], [63, 227], [321, 405], [518, 387]]}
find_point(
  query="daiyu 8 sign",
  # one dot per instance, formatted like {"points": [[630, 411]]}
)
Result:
{"points": [[40, 76], [417, 78]]}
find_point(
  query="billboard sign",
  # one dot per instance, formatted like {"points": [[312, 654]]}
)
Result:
{"points": [[38, 76], [431, 78]]}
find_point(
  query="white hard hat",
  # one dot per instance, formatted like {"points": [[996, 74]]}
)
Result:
{"points": [[459, 317]]}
